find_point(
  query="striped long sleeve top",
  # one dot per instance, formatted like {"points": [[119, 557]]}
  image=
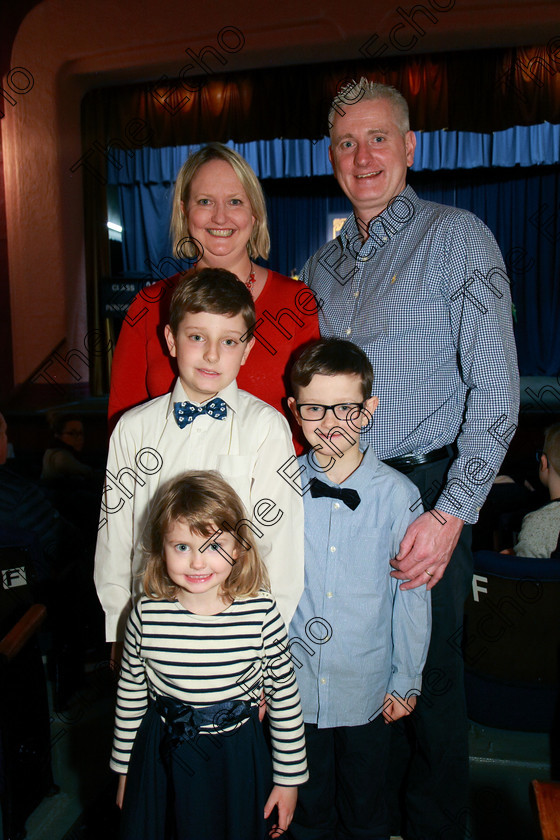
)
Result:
{"points": [[207, 659]]}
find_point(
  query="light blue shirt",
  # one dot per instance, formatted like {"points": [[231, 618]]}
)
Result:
{"points": [[355, 635]]}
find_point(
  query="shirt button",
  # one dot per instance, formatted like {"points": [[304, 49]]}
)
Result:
{"points": [[323, 681], [356, 294], [336, 505], [348, 331], [333, 549], [329, 594], [384, 238]]}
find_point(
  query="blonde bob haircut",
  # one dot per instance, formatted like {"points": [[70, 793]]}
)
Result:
{"points": [[183, 245], [206, 503]]}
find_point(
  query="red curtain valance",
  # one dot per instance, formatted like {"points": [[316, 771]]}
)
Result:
{"points": [[487, 90]]}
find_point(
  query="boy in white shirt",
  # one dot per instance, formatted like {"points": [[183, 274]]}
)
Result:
{"points": [[205, 423]]}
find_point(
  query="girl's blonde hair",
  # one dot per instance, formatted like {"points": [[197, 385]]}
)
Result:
{"points": [[183, 245], [205, 503]]}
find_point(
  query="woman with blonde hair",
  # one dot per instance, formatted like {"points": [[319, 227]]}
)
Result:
{"points": [[219, 219]]}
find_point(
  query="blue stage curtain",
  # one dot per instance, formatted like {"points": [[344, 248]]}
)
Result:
{"points": [[531, 145], [523, 145], [519, 206], [145, 178]]}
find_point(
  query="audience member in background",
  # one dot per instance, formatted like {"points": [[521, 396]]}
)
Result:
{"points": [[541, 528], [63, 581], [73, 486], [23, 505], [511, 497], [62, 458]]}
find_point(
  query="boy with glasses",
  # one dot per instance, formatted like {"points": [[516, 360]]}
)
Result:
{"points": [[372, 636]]}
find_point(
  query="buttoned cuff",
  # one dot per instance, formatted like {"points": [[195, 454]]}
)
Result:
{"points": [[115, 625], [403, 686], [460, 505]]}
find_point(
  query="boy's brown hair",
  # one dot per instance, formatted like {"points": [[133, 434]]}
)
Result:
{"points": [[203, 501], [328, 357], [551, 446], [213, 290]]}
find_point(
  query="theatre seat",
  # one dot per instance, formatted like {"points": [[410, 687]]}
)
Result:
{"points": [[25, 748], [511, 642]]}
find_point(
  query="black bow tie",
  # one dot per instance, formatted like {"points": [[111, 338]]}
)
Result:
{"points": [[351, 498]]}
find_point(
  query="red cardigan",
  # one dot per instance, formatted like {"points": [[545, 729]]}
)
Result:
{"points": [[142, 367]]}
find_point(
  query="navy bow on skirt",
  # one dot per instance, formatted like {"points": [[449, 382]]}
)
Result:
{"points": [[183, 722]]}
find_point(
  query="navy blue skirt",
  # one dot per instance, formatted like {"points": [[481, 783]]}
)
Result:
{"points": [[210, 787]]}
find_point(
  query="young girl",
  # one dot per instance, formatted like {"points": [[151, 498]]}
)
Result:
{"points": [[200, 647]]}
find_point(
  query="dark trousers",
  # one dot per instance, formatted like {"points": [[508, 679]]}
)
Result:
{"points": [[345, 797], [432, 743]]}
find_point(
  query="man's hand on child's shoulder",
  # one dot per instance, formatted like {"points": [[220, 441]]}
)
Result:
{"points": [[395, 707]]}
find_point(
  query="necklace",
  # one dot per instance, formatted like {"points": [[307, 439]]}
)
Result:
{"points": [[250, 281]]}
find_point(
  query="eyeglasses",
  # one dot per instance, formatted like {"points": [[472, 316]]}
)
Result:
{"points": [[342, 411]]}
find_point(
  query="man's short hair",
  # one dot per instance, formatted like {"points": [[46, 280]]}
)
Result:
{"points": [[365, 90], [551, 446], [328, 357], [213, 290]]}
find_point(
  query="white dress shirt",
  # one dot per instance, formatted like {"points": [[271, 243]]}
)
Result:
{"points": [[148, 448]]}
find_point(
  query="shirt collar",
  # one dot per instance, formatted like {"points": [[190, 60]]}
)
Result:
{"points": [[230, 395], [360, 478], [396, 216]]}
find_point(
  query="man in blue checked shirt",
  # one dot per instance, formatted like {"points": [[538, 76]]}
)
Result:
{"points": [[422, 289]]}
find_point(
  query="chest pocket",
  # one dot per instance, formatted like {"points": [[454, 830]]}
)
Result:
{"points": [[237, 470], [363, 571]]}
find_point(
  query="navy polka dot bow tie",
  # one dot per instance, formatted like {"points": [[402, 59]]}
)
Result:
{"points": [[186, 412]]}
